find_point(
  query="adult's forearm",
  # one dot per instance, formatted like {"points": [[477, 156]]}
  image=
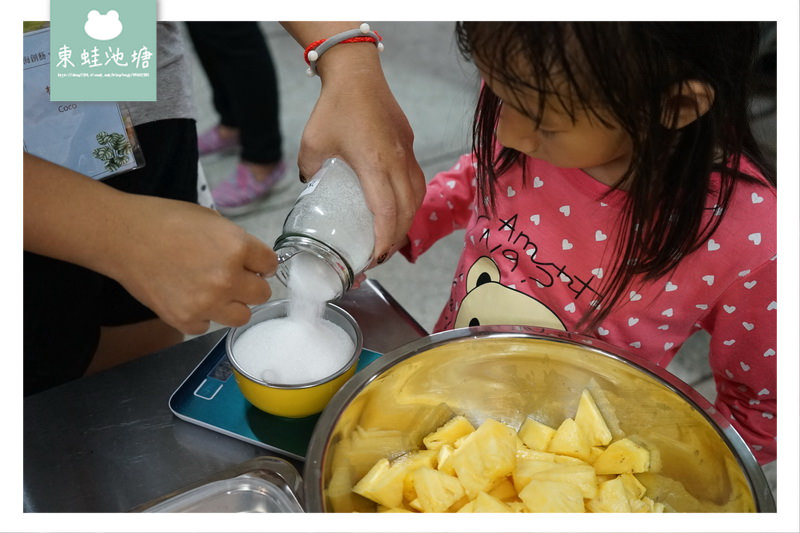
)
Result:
{"points": [[184, 261], [67, 215]]}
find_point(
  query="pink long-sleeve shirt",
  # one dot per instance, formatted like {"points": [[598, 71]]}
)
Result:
{"points": [[541, 260]]}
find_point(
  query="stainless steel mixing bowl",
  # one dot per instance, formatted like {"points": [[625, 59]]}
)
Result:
{"points": [[510, 372]]}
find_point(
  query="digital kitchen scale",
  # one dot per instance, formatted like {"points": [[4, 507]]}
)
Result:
{"points": [[210, 397]]}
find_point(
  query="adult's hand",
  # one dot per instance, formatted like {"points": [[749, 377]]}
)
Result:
{"points": [[358, 119], [192, 266], [186, 262]]}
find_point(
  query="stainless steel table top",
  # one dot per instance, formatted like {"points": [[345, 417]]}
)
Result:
{"points": [[109, 442]]}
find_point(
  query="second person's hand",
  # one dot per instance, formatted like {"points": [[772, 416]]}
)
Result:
{"points": [[358, 119]]}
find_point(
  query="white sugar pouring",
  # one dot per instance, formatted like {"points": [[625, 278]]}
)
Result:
{"points": [[302, 347]]}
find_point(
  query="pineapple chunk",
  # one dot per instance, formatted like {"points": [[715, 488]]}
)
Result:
{"points": [[382, 484], [536, 435], [505, 491], [640, 506], [633, 487], [486, 503], [486, 456], [605, 406], [517, 506], [450, 432], [526, 453], [646, 505], [382, 509], [388, 483], [552, 497], [444, 461], [468, 507], [427, 420], [611, 498], [457, 444], [461, 502], [623, 456], [406, 464], [436, 491], [594, 453], [525, 469], [570, 440], [582, 476], [591, 421]]}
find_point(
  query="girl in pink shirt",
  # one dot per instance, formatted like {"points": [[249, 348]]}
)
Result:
{"points": [[615, 189]]}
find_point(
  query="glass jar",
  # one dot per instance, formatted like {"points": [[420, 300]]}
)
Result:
{"points": [[330, 220]]}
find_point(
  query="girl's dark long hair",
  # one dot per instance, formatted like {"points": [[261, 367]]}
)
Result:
{"points": [[624, 70]]}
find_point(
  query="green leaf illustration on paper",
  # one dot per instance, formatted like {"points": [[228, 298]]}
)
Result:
{"points": [[113, 150]]}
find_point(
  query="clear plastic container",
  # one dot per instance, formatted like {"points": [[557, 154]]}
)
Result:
{"points": [[331, 221], [264, 484]]}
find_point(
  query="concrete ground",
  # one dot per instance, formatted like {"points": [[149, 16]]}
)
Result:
{"points": [[436, 88]]}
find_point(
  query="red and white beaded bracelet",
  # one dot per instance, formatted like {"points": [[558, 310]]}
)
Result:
{"points": [[361, 35]]}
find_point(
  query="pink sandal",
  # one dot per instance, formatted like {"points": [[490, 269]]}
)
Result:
{"points": [[211, 142], [239, 193]]}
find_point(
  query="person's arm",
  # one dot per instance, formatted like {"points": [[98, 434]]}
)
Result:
{"points": [[447, 207], [358, 119], [184, 261]]}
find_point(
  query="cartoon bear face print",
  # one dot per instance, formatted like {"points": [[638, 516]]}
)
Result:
{"points": [[489, 302]]}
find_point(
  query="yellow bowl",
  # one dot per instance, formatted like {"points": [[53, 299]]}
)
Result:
{"points": [[300, 400]]}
